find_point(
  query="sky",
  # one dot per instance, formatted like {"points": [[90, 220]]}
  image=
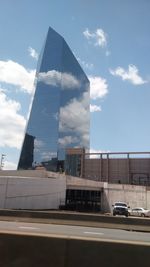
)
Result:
{"points": [[110, 39]]}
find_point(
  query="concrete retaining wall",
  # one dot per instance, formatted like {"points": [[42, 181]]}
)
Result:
{"points": [[32, 193], [24, 173], [134, 196], [41, 192]]}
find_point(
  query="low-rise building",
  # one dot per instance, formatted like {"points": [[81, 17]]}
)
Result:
{"points": [[39, 189]]}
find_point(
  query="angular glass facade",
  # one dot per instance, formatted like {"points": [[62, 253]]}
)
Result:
{"points": [[60, 112]]}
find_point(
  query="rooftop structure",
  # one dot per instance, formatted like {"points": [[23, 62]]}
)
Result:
{"points": [[111, 167]]}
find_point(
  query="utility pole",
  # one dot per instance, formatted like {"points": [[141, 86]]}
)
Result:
{"points": [[2, 161]]}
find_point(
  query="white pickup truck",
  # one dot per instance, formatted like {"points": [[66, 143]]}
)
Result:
{"points": [[120, 208]]}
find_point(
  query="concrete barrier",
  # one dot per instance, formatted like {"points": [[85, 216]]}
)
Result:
{"points": [[138, 224], [27, 250]]}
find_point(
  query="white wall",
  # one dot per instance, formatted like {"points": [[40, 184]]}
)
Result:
{"points": [[32, 193], [49, 193], [134, 196]]}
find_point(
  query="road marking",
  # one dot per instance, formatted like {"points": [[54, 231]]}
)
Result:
{"points": [[29, 228], [93, 233]]}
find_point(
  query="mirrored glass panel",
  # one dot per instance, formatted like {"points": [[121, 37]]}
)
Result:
{"points": [[59, 116]]}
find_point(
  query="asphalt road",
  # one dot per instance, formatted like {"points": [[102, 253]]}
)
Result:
{"points": [[111, 235]]}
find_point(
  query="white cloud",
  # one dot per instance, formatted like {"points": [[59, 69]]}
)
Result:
{"points": [[48, 155], [85, 64], [69, 81], [132, 74], [8, 165], [97, 151], [94, 108], [38, 145], [73, 118], [33, 53], [99, 37], [55, 78], [12, 124], [13, 73], [98, 87], [67, 140], [88, 34], [51, 77]]}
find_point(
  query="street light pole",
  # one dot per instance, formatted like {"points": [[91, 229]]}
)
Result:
{"points": [[2, 161]]}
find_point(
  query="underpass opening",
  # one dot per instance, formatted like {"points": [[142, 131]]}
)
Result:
{"points": [[83, 200]]}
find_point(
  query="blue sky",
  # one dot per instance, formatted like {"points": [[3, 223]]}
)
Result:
{"points": [[110, 39]]}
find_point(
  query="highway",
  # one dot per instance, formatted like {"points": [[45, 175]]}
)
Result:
{"points": [[77, 232]]}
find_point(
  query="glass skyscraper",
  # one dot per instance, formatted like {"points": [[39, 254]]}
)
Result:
{"points": [[60, 112]]}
